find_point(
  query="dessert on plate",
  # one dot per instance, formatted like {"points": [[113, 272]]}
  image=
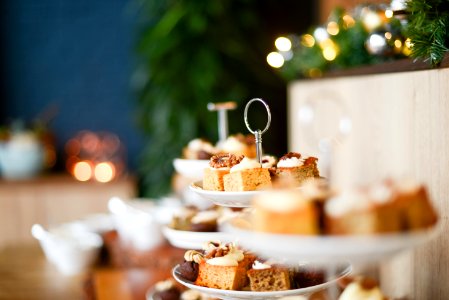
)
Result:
{"points": [[191, 218], [227, 267], [269, 277], [166, 290], [198, 149], [219, 166], [294, 168], [238, 144], [247, 175], [362, 288], [389, 206], [385, 207]]}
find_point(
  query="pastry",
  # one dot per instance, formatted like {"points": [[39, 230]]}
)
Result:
{"points": [[219, 166], [362, 289], [285, 211], [238, 144], [190, 267], [166, 290], [224, 267], [363, 211], [198, 149], [268, 277], [294, 169], [247, 175]]}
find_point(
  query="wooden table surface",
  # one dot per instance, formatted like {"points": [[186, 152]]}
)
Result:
{"points": [[26, 274]]}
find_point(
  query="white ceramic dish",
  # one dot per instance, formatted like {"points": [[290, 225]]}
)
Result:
{"points": [[193, 240], [226, 294], [230, 199], [326, 249], [191, 168]]}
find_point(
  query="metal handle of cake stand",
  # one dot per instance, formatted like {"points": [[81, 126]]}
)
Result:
{"points": [[258, 133], [222, 109]]}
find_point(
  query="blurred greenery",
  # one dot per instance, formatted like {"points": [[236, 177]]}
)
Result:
{"points": [[192, 53]]}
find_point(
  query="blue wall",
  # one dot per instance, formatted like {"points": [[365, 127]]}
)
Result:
{"points": [[76, 56]]}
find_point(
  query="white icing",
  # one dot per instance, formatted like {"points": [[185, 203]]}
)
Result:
{"points": [[257, 265], [280, 201], [349, 200], [164, 285], [245, 164], [314, 188], [380, 193], [232, 145], [205, 216], [271, 161], [231, 259], [200, 145], [355, 291], [290, 162], [191, 295], [407, 186]]}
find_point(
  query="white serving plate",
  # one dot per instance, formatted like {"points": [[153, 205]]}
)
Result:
{"points": [[191, 168], [230, 199], [226, 294], [193, 240], [326, 249]]}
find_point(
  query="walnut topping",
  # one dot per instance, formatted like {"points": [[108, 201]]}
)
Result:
{"points": [[291, 155], [224, 160], [219, 251], [193, 255], [310, 160]]}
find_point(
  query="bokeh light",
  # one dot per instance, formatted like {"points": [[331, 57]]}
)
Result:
{"points": [[82, 171], [104, 172], [283, 44], [275, 59]]}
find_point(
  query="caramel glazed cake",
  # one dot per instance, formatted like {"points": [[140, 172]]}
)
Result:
{"points": [[225, 266], [385, 207], [234, 173]]}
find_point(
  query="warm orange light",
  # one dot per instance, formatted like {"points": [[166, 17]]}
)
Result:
{"points": [[82, 171], [104, 172]]}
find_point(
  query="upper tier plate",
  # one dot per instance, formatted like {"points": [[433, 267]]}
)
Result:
{"points": [[326, 249], [231, 199], [191, 168], [193, 240], [226, 294]]}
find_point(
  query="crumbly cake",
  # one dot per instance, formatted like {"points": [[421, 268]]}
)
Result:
{"points": [[358, 211], [248, 175], [224, 267], [295, 169], [390, 206], [285, 211], [220, 165], [415, 205], [266, 277]]}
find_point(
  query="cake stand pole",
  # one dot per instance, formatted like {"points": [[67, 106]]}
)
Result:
{"points": [[258, 133], [222, 109]]}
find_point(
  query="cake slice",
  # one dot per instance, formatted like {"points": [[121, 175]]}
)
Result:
{"points": [[294, 169], [363, 211], [219, 166], [416, 208], [285, 211], [264, 277], [224, 267], [247, 175]]}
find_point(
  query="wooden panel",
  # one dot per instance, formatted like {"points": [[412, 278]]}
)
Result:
{"points": [[400, 128], [52, 200]]}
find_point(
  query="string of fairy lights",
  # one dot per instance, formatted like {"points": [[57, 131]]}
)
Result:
{"points": [[369, 34]]}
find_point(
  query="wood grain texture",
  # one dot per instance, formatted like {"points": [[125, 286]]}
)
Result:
{"points": [[401, 129], [52, 200]]}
